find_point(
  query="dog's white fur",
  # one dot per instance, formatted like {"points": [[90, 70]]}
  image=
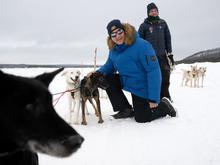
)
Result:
{"points": [[194, 75], [190, 76], [74, 103], [201, 75]]}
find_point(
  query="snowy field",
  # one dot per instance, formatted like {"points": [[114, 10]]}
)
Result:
{"points": [[192, 138]]}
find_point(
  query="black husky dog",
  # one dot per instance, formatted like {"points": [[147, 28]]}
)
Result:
{"points": [[29, 123], [89, 90]]}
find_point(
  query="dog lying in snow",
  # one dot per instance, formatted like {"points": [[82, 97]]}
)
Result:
{"points": [[74, 99], [29, 123]]}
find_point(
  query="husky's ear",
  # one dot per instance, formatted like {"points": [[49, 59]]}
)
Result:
{"points": [[46, 78], [83, 81], [2, 74]]}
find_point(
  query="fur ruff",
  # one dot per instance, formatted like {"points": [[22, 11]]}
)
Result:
{"points": [[129, 36]]}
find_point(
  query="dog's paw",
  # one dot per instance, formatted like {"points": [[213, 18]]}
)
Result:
{"points": [[100, 121], [84, 123]]}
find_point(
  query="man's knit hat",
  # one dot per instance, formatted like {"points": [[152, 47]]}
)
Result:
{"points": [[114, 24], [150, 7]]}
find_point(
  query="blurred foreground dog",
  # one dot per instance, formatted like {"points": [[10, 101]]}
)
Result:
{"points": [[89, 90], [29, 123]]}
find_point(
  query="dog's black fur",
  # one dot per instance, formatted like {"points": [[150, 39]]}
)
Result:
{"points": [[29, 123], [89, 90]]}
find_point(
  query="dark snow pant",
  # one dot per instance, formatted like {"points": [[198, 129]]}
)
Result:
{"points": [[165, 84], [116, 95], [165, 72], [142, 111]]}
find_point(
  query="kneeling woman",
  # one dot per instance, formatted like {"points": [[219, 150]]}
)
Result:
{"points": [[132, 65]]}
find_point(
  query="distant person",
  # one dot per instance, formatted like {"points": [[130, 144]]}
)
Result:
{"points": [[155, 30], [132, 65]]}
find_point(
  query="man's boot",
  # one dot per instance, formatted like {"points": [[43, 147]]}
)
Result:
{"points": [[167, 106], [124, 114]]}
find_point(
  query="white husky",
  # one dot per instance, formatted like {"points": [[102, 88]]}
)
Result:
{"points": [[201, 75], [190, 76], [195, 76], [74, 99]]}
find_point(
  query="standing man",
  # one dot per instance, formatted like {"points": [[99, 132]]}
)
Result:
{"points": [[155, 30]]}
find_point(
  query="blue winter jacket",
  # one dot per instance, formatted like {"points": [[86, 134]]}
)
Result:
{"points": [[138, 68]]}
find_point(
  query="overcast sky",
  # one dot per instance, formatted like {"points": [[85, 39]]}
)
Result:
{"points": [[68, 31]]}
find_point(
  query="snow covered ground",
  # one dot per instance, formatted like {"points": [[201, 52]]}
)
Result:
{"points": [[189, 139]]}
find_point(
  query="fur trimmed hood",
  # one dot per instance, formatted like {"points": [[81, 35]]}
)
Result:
{"points": [[130, 34]]}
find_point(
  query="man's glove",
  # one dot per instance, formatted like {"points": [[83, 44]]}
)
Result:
{"points": [[170, 56], [171, 61]]}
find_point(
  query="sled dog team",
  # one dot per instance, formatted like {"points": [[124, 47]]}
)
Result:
{"points": [[194, 76]]}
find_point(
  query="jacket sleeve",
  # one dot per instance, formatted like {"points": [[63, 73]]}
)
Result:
{"points": [[168, 39], [141, 31], [107, 68], [150, 63]]}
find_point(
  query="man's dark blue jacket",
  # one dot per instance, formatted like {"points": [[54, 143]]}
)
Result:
{"points": [[158, 35]]}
